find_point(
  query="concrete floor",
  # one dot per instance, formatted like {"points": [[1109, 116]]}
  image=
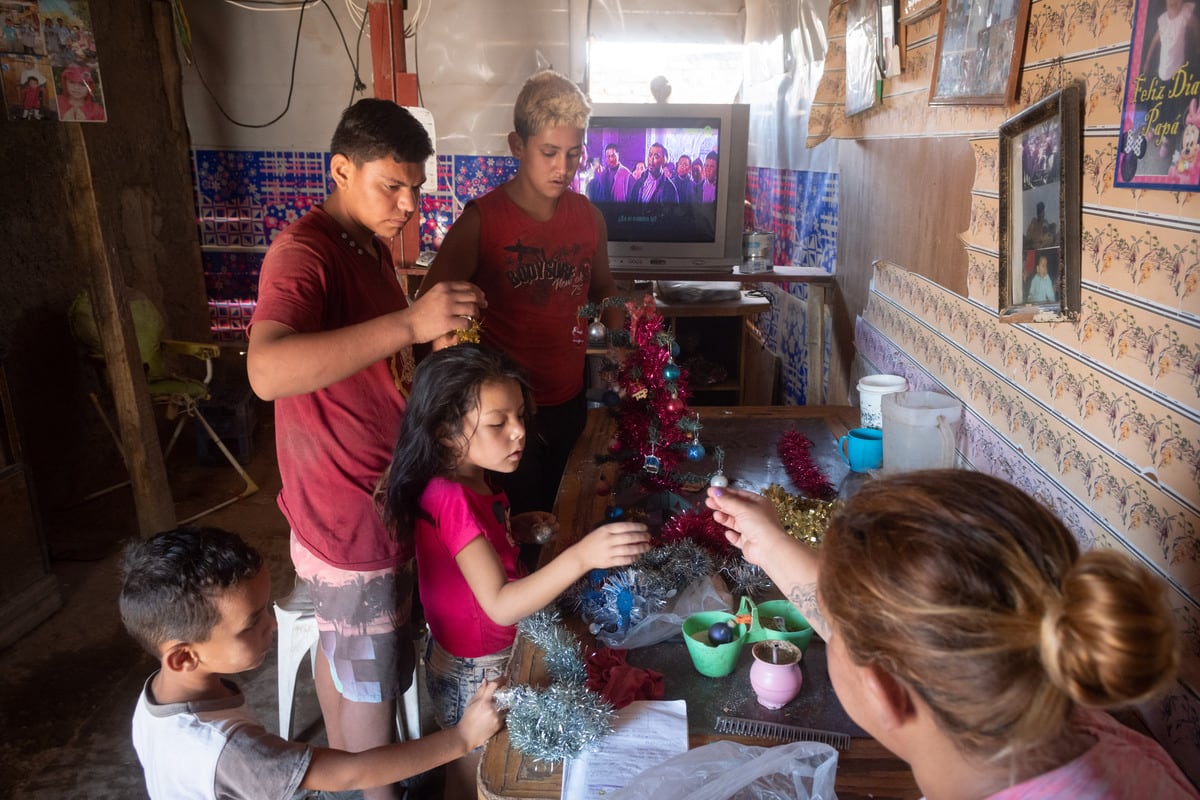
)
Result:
{"points": [[68, 688]]}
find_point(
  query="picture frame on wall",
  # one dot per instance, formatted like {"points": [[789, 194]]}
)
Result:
{"points": [[980, 45], [864, 75], [1159, 143], [1040, 185], [916, 10]]}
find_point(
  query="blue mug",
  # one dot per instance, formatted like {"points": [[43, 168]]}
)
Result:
{"points": [[862, 449]]}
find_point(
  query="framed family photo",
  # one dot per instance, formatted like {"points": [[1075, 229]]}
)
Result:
{"points": [[1040, 177], [1159, 144], [979, 51]]}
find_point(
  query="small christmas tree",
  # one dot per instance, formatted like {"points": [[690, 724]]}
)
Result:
{"points": [[657, 433]]}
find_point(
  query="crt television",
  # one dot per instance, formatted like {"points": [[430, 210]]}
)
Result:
{"points": [[696, 228]]}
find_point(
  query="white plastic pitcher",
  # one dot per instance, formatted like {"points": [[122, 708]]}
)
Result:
{"points": [[871, 389], [919, 430]]}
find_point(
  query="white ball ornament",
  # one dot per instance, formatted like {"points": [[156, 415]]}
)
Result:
{"points": [[719, 480], [597, 333]]}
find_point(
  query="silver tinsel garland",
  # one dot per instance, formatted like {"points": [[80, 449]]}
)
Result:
{"points": [[615, 601], [563, 719]]}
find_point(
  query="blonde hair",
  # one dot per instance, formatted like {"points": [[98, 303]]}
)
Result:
{"points": [[974, 595], [548, 100]]}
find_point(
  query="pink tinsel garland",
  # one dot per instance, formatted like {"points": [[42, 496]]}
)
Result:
{"points": [[794, 450]]}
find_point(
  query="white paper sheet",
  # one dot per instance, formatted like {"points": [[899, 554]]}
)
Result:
{"points": [[645, 733]]}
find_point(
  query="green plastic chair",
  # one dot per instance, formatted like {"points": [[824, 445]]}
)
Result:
{"points": [[179, 395]]}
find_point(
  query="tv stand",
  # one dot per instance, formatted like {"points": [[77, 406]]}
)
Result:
{"points": [[821, 286]]}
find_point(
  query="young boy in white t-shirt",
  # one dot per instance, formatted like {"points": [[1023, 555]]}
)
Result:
{"points": [[199, 600]]}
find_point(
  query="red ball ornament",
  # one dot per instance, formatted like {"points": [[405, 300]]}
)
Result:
{"points": [[675, 405], [602, 488], [614, 445]]}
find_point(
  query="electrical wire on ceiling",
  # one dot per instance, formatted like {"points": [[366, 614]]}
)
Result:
{"points": [[272, 6]]}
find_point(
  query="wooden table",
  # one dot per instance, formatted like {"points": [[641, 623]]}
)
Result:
{"points": [[866, 769]]}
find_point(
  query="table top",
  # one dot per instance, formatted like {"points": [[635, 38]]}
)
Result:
{"points": [[748, 436], [745, 305]]}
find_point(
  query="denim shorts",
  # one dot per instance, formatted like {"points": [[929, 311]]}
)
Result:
{"points": [[452, 681]]}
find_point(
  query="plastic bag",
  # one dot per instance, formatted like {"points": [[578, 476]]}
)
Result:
{"points": [[705, 594], [727, 770]]}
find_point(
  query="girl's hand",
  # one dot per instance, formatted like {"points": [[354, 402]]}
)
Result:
{"points": [[480, 718], [753, 523], [616, 544], [524, 526]]}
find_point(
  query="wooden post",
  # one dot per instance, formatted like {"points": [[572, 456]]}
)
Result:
{"points": [[394, 82], [122, 359]]}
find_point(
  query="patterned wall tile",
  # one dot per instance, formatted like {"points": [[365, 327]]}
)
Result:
{"points": [[1099, 163], [1057, 26], [478, 175], [1159, 264]]}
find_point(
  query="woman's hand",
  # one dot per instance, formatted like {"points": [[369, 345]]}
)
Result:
{"points": [[753, 523]]}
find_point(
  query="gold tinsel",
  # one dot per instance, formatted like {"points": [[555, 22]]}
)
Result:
{"points": [[471, 334], [803, 517]]}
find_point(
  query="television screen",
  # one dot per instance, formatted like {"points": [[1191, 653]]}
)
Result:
{"points": [[670, 182], [637, 184]]}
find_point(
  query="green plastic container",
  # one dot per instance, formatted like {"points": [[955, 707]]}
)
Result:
{"points": [[714, 661], [763, 626]]}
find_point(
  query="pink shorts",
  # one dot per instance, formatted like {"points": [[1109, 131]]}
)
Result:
{"points": [[363, 620]]}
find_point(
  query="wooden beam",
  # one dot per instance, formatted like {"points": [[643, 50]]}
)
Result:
{"points": [[122, 359], [394, 82]]}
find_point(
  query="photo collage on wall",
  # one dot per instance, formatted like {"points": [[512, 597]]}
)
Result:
{"points": [[1159, 146], [49, 70]]}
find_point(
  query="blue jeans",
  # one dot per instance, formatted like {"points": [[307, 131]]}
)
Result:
{"points": [[452, 681]]}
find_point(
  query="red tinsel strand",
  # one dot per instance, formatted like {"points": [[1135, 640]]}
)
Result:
{"points": [[697, 524], [794, 450]]}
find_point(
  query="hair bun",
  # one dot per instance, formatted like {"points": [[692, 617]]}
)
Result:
{"points": [[1108, 639]]}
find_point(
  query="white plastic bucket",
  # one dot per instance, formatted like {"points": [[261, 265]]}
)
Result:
{"points": [[920, 430], [871, 389]]}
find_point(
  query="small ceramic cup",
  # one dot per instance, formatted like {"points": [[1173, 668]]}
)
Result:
{"points": [[862, 449]]}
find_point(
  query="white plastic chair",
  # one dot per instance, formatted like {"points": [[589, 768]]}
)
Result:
{"points": [[298, 635]]}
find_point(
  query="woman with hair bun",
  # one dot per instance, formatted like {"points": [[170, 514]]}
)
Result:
{"points": [[966, 633]]}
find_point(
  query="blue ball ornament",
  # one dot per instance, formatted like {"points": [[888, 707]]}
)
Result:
{"points": [[614, 513], [721, 632], [695, 451], [610, 398], [670, 372], [675, 350]]}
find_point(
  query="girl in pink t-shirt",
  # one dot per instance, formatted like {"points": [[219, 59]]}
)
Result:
{"points": [[466, 419]]}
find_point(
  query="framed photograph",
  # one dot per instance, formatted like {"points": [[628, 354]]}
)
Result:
{"points": [[916, 10], [1040, 185], [980, 44], [1159, 145], [864, 75]]}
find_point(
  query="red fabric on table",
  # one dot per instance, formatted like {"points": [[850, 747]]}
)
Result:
{"points": [[616, 681]]}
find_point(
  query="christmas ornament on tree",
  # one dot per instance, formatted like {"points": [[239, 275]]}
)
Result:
{"points": [[597, 333]]}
